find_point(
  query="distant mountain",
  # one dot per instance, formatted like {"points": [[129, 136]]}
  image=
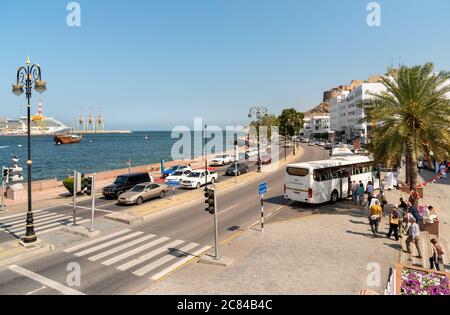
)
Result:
{"points": [[322, 108]]}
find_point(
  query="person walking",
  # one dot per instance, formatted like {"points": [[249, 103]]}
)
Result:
{"points": [[393, 224], [400, 215], [370, 190], [375, 217], [361, 192], [414, 198], [355, 191], [403, 204], [414, 212], [414, 237], [438, 255]]}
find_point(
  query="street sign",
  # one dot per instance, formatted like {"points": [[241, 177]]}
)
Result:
{"points": [[262, 188], [173, 183]]}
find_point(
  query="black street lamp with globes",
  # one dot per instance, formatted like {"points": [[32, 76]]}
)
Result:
{"points": [[27, 78]]}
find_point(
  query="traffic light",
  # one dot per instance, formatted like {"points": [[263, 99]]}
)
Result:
{"points": [[5, 174], [89, 186], [210, 201]]}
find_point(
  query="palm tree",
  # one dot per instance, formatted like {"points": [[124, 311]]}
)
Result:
{"points": [[414, 117]]}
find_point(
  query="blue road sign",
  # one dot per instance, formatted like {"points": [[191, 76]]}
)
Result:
{"points": [[262, 188], [173, 183]]}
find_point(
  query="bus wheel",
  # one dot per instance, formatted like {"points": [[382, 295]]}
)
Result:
{"points": [[334, 196]]}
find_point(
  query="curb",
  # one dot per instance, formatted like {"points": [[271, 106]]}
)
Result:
{"points": [[29, 253]]}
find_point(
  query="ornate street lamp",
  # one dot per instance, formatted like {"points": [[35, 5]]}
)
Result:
{"points": [[259, 112], [29, 77]]}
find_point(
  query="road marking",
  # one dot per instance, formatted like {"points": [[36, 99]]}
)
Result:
{"points": [[36, 217], [35, 291], [267, 216], [227, 209], [83, 245], [134, 251], [107, 244], [45, 229], [179, 263], [45, 281], [18, 215], [46, 225], [42, 222], [120, 248], [148, 256], [164, 260], [58, 227]]}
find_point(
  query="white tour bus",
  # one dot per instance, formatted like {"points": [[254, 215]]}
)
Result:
{"points": [[329, 180]]}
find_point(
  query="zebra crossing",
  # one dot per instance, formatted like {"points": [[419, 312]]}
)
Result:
{"points": [[139, 253], [44, 222]]}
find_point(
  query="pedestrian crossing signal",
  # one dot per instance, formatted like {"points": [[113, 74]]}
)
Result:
{"points": [[210, 201], [5, 174], [89, 186]]}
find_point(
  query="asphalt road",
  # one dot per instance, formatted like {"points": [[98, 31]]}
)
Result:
{"points": [[115, 272]]}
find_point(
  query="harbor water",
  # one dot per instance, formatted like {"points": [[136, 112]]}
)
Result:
{"points": [[95, 153]]}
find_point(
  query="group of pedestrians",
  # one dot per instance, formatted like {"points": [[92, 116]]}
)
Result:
{"points": [[404, 219]]}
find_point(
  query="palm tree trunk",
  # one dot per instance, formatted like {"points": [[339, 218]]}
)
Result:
{"points": [[407, 166], [412, 161]]}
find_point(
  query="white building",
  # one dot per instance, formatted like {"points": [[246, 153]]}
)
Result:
{"points": [[318, 124], [347, 116]]}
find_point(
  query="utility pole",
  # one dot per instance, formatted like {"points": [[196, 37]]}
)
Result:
{"points": [[93, 178], [5, 177], [206, 157]]}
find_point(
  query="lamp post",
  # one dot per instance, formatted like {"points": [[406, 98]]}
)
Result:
{"points": [[291, 124], [27, 77], [258, 112]]}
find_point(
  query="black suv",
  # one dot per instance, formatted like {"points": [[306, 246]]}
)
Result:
{"points": [[241, 169], [124, 183]]}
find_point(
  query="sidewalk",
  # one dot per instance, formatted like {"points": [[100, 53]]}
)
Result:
{"points": [[437, 195], [328, 253]]}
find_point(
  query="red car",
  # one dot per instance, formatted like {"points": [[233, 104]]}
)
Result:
{"points": [[266, 159]]}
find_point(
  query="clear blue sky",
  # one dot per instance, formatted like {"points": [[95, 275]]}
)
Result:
{"points": [[153, 64]]}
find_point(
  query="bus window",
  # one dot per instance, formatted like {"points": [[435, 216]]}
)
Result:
{"points": [[297, 171]]}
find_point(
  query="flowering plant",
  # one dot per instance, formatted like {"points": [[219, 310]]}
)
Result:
{"points": [[423, 283]]}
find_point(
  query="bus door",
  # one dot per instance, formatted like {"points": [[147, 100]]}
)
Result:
{"points": [[346, 183]]}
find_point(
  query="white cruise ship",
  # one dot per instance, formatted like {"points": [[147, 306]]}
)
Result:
{"points": [[40, 126]]}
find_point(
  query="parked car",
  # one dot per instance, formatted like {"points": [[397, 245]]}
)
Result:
{"points": [[174, 169], [222, 159], [196, 179], [266, 159], [312, 143], [143, 192], [124, 183], [241, 169], [178, 176]]}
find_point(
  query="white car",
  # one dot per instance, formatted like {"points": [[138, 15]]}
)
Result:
{"points": [[178, 176], [196, 179], [222, 159]]}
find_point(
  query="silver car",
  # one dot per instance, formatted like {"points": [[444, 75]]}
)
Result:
{"points": [[142, 192]]}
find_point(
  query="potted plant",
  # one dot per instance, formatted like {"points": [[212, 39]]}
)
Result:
{"points": [[420, 281]]}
